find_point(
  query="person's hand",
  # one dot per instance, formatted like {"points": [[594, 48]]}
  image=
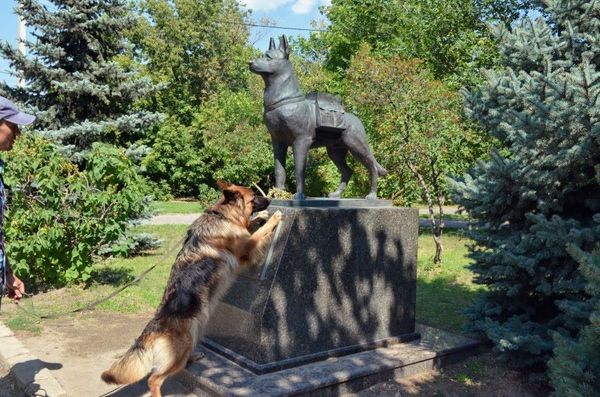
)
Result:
{"points": [[15, 286]]}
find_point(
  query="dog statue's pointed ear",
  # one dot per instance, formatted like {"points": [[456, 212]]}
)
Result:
{"points": [[283, 46], [272, 44], [222, 185]]}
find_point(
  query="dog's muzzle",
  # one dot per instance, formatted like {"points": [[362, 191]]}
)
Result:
{"points": [[260, 203]]}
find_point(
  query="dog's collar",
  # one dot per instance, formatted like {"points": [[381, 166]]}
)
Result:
{"points": [[284, 101], [215, 213]]}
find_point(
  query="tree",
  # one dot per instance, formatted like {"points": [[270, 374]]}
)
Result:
{"points": [[415, 129], [449, 36], [81, 91], [575, 367], [81, 86], [193, 48], [540, 192]]}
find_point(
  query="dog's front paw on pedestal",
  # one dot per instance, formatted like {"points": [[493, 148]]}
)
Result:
{"points": [[277, 217], [264, 214], [195, 357]]}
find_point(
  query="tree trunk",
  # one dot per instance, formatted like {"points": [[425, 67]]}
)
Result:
{"points": [[437, 225]]}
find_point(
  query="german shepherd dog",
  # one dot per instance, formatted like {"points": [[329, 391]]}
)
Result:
{"points": [[217, 244]]}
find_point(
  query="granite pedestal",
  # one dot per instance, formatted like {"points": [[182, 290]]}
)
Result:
{"points": [[339, 278]]}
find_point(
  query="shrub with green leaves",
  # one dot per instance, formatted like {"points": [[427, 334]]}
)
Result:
{"points": [[226, 140], [60, 216]]}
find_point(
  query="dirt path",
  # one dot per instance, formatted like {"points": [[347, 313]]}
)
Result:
{"points": [[478, 376], [78, 348]]}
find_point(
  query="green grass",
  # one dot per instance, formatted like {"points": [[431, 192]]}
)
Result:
{"points": [[141, 297], [177, 207], [442, 292], [24, 323]]}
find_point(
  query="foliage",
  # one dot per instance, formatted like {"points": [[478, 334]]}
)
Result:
{"points": [[226, 140], [449, 36], [75, 82], [60, 217], [177, 160], [194, 49], [416, 133], [575, 367], [541, 192]]}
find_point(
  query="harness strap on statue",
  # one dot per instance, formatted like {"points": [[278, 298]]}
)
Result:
{"points": [[284, 101]]}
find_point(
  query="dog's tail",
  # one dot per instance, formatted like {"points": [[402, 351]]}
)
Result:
{"points": [[380, 170], [133, 366]]}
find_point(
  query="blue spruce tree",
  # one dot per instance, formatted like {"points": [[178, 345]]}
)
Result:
{"points": [[539, 192], [74, 80], [575, 367]]}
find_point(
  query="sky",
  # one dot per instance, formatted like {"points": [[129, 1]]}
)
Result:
{"points": [[286, 13]]}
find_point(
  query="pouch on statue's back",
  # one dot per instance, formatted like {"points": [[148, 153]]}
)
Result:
{"points": [[329, 112]]}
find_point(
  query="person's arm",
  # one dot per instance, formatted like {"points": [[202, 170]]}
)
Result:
{"points": [[16, 287]]}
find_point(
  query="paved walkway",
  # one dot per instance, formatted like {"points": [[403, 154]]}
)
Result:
{"points": [[66, 359], [187, 219]]}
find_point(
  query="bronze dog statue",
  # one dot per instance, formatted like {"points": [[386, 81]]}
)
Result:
{"points": [[293, 119]]}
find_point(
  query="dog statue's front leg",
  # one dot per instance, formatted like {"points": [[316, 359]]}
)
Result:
{"points": [[300, 148], [280, 154]]}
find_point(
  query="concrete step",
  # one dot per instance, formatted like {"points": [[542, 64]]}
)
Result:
{"points": [[217, 376]]}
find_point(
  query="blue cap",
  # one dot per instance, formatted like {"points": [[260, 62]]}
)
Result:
{"points": [[9, 112]]}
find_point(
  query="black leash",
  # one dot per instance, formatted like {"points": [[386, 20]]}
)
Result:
{"points": [[95, 303]]}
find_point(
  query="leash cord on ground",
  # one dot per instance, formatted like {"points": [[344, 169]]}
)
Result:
{"points": [[95, 303], [109, 393]]}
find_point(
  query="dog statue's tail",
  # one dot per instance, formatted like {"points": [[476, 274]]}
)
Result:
{"points": [[380, 170], [133, 366]]}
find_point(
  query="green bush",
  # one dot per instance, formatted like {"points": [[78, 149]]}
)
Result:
{"points": [[177, 160], [60, 216], [226, 140]]}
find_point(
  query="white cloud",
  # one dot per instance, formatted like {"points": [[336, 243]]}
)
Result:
{"points": [[303, 6], [264, 5], [299, 7]]}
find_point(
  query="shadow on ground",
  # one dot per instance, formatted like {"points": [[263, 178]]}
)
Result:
{"points": [[139, 389], [30, 372]]}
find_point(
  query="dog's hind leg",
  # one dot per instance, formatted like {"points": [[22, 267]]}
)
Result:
{"points": [[338, 154], [171, 355]]}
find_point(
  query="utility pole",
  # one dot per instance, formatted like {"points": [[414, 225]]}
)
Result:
{"points": [[22, 39]]}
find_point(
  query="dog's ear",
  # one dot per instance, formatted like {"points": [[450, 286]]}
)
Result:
{"points": [[283, 46], [222, 185], [230, 195], [228, 190], [272, 44]]}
